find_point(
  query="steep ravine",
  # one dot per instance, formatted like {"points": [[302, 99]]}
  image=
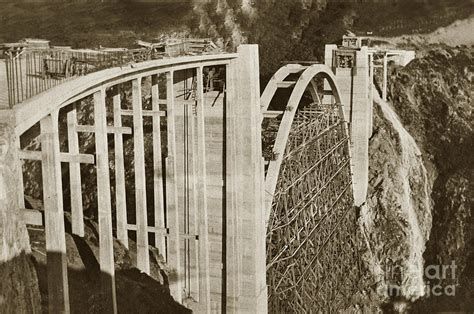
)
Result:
{"points": [[397, 216], [418, 216]]}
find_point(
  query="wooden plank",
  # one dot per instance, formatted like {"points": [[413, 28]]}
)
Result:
{"points": [[110, 129], [106, 249], [58, 300], [157, 168], [145, 113], [163, 231], [271, 114], [120, 193], [75, 176], [20, 186], [204, 278], [143, 260], [173, 257], [32, 216], [63, 157], [286, 84]]}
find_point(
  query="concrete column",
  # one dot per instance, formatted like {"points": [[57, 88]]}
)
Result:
{"points": [[360, 127], [252, 294], [353, 86], [371, 92], [385, 78]]}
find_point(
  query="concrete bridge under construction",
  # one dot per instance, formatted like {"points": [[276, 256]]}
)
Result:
{"points": [[254, 195]]}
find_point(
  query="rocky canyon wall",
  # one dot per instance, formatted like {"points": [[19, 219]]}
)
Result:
{"points": [[19, 292]]}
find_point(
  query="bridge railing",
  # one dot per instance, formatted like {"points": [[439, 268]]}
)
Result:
{"points": [[70, 124], [31, 72]]}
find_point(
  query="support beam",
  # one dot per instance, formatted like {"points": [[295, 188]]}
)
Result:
{"points": [[160, 242], [120, 193], [204, 278], [106, 248], [58, 300], [75, 176], [143, 259], [173, 257], [63, 157], [110, 129], [385, 77]]}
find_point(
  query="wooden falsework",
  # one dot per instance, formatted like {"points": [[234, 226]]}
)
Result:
{"points": [[173, 253], [120, 194], [160, 242], [75, 175], [106, 249], [285, 126], [143, 259], [204, 278], [54, 217]]}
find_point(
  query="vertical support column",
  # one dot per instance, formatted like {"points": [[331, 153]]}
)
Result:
{"points": [[204, 278], [172, 194], [359, 128], [75, 175], [371, 92], [54, 218], [194, 209], [385, 77], [143, 260], [19, 170], [160, 242], [106, 248], [232, 236], [120, 195], [252, 296]]}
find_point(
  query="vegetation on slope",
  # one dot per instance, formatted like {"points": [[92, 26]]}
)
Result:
{"points": [[92, 24], [433, 96]]}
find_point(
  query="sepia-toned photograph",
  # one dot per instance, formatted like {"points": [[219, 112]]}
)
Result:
{"points": [[236, 156]]}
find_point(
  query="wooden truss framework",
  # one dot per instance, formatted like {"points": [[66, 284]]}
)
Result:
{"points": [[168, 234], [309, 202]]}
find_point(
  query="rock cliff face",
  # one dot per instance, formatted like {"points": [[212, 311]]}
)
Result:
{"points": [[433, 96], [421, 184], [18, 285]]}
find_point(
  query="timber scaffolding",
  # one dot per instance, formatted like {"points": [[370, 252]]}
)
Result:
{"points": [[32, 66]]}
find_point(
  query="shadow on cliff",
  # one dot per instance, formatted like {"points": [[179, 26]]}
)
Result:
{"points": [[136, 292], [18, 285]]}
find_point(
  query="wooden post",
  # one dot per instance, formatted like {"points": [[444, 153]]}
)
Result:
{"points": [[106, 248], [75, 176], [157, 168], [143, 260], [172, 193], [58, 295], [201, 186], [120, 194], [385, 77]]}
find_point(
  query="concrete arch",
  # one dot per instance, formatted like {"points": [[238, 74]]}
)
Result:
{"points": [[305, 81]]}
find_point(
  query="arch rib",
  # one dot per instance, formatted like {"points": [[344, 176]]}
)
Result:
{"points": [[272, 85], [302, 84]]}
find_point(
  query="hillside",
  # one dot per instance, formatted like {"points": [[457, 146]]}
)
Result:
{"points": [[93, 24]]}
